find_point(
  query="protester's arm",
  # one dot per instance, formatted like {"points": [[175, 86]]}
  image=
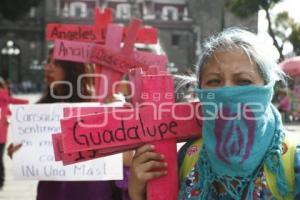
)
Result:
{"points": [[144, 162], [11, 149]]}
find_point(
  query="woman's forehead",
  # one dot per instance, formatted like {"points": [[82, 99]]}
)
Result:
{"points": [[231, 59]]}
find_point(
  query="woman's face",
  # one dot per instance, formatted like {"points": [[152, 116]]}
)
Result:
{"points": [[230, 68], [53, 72]]}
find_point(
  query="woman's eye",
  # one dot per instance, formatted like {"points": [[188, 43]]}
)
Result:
{"points": [[213, 82], [244, 82]]}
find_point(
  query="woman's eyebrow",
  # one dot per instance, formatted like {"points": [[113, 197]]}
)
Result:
{"points": [[213, 73], [250, 73]]}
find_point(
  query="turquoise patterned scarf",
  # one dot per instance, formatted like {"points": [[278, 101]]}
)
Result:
{"points": [[242, 130]]}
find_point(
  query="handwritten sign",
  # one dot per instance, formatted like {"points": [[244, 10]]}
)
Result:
{"points": [[112, 60], [85, 33], [33, 126], [128, 127], [98, 54], [80, 156], [90, 33], [158, 121], [96, 32], [79, 32]]}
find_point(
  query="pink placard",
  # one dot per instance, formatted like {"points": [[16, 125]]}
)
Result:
{"points": [[104, 87], [102, 20], [129, 127], [91, 53], [96, 32], [57, 146], [5, 100], [147, 35], [80, 156], [84, 33]]}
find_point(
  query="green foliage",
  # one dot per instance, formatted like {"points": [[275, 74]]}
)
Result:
{"points": [[246, 8], [15, 9], [294, 38], [281, 25], [288, 30]]}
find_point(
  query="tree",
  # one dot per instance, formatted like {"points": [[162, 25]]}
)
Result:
{"points": [[294, 38], [287, 30], [245, 8], [14, 9]]}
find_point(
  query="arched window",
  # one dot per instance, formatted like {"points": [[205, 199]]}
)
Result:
{"points": [[78, 9], [170, 13], [123, 11]]}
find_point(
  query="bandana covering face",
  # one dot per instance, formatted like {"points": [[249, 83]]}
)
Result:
{"points": [[241, 131]]}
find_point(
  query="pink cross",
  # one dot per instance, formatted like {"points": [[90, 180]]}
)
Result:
{"points": [[154, 120], [114, 60], [103, 32], [95, 32]]}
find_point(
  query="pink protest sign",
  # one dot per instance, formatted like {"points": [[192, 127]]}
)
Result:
{"points": [[92, 53], [99, 54], [5, 100], [85, 33], [102, 20], [110, 59], [90, 33], [96, 32], [129, 127], [78, 32], [80, 156], [104, 86], [156, 120], [157, 87]]}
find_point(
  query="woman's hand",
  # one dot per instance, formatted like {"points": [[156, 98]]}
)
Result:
{"points": [[146, 165], [11, 149]]}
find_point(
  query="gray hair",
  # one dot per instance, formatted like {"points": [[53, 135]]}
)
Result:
{"points": [[253, 47]]}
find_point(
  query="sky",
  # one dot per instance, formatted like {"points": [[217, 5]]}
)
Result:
{"points": [[293, 8]]}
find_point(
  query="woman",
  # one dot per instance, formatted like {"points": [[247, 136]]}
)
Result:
{"points": [[61, 79], [243, 152]]}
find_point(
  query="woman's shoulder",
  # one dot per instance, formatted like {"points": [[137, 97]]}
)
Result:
{"points": [[292, 142], [191, 145], [297, 172]]}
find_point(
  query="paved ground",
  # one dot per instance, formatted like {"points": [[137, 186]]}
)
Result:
{"points": [[26, 190]]}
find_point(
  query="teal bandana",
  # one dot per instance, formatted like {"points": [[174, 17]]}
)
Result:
{"points": [[242, 131]]}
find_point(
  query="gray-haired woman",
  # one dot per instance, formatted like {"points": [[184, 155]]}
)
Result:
{"points": [[244, 152]]}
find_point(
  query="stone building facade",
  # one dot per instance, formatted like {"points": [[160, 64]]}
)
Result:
{"points": [[182, 25], [22, 47]]}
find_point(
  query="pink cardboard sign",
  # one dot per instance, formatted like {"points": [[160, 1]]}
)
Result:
{"points": [[97, 32], [104, 87], [57, 142], [84, 33], [157, 87], [80, 156], [5, 100], [129, 127], [92, 53], [102, 20]]}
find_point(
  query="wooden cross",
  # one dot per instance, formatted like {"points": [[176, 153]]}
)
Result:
{"points": [[116, 61], [154, 120], [112, 38], [97, 31]]}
